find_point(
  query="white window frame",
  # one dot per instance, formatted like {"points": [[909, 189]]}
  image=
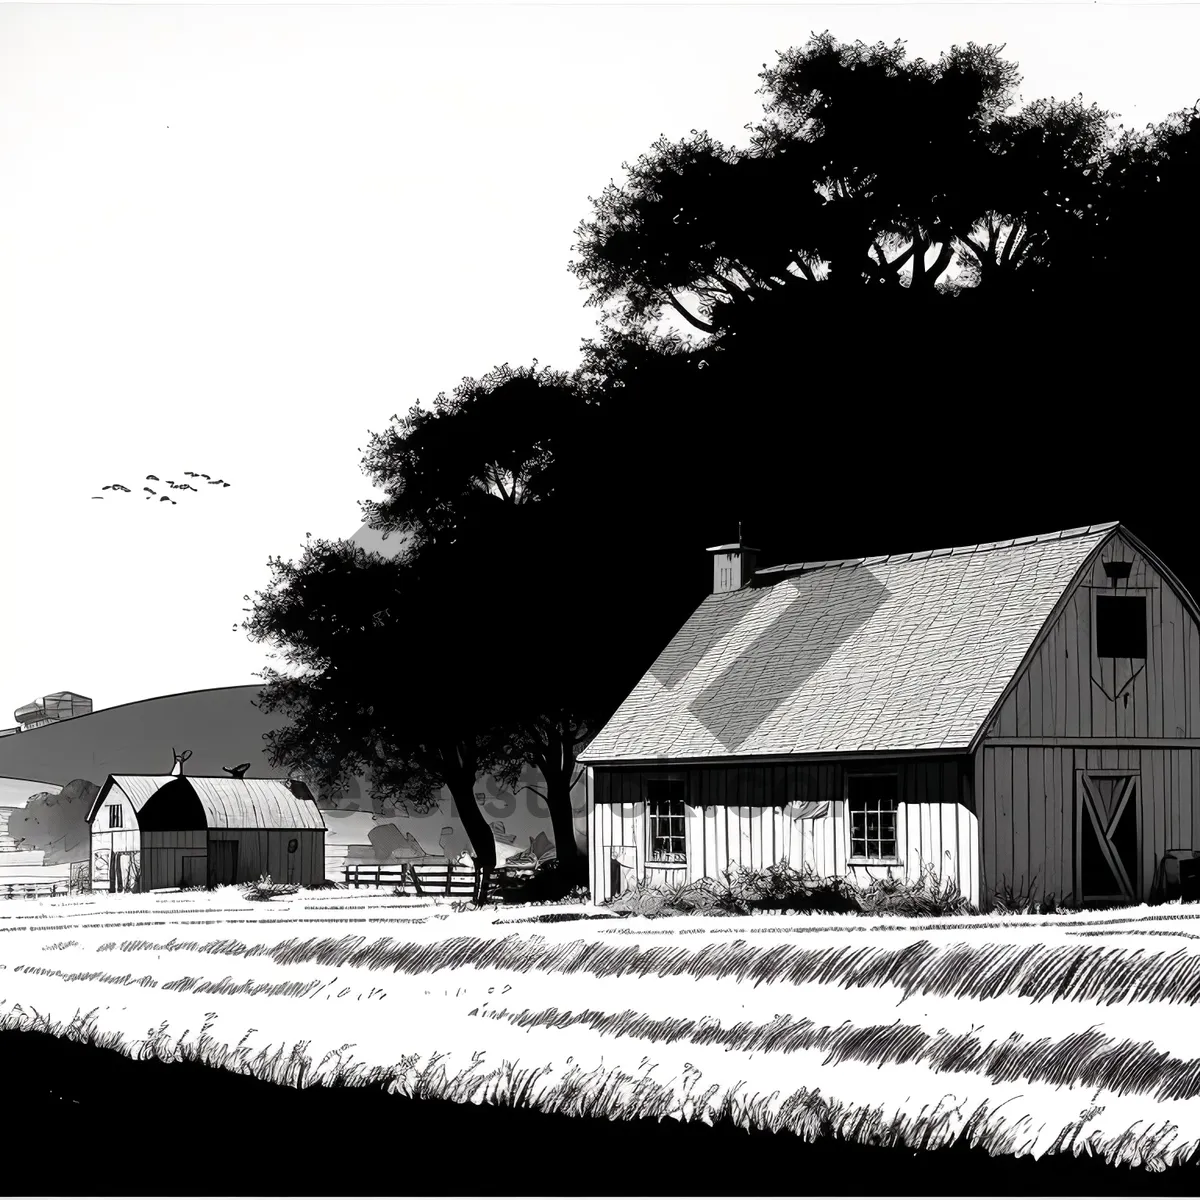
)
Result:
{"points": [[870, 860], [653, 858]]}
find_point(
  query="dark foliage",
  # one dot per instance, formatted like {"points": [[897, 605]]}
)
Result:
{"points": [[550, 883], [781, 888]]}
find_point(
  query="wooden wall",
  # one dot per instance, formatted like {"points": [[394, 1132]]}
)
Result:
{"points": [[1072, 710], [264, 851], [1068, 691], [163, 854], [738, 815], [1029, 822], [105, 843]]}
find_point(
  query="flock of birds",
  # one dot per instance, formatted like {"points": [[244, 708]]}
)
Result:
{"points": [[179, 487]]}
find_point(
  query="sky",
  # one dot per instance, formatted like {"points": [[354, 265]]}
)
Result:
{"points": [[234, 240]]}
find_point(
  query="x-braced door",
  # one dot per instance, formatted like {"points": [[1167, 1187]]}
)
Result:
{"points": [[1108, 851]]}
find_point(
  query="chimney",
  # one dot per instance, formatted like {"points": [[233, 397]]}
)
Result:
{"points": [[733, 564]]}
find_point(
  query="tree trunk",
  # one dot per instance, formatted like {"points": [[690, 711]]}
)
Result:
{"points": [[483, 844], [558, 801]]}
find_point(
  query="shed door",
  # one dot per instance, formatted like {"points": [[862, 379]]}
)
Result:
{"points": [[222, 860], [193, 871], [1109, 837]]}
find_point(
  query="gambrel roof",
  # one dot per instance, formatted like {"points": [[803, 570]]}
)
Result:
{"points": [[899, 653], [227, 803]]}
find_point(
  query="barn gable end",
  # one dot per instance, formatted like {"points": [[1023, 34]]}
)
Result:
{"points": [[1108, 700]]}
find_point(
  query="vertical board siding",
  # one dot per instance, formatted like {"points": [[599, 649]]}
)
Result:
{"points": [[739, 816], [1019, 793], [1027, 798]]}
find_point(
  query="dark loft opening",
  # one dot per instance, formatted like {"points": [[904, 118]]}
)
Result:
{"points": [[1121, 626]]}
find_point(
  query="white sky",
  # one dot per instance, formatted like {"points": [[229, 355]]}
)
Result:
{"points": [[235, 239]]}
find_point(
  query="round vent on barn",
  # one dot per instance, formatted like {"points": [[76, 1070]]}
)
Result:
{"points": [[293, 845]]}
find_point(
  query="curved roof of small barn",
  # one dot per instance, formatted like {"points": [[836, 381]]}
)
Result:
{"points": [[227, 803], [253, 804]]}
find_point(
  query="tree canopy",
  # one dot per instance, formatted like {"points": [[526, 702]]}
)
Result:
{"points": [[905, 274]]}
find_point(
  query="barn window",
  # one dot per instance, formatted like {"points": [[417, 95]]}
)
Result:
{"points": [[872, 801], [114, 816], [1121, 626], [665, 819]]}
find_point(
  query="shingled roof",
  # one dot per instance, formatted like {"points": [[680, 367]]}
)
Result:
{"points": [[898, 653]]}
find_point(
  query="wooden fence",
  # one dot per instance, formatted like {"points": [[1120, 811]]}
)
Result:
{"points": [[428, 879], [32, 882], [27, 889]]}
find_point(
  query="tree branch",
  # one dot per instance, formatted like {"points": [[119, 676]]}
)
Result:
{"points": [[805, 269], [1009, 244], [945, 254], [687, 316]]}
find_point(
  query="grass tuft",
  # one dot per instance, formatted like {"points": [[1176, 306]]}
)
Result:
{"points": [[263, 889], [782, 888]]}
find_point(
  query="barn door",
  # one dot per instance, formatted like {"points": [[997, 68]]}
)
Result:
{"points": [[222, 857], [1109, 837]]}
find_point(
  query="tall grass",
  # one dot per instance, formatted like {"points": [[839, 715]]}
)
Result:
{"points": [[1088, 1058], [616, 1094], [1103, 975]]}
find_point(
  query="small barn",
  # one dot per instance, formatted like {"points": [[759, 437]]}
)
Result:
{"points": [[1021, 714], [160, 831]]}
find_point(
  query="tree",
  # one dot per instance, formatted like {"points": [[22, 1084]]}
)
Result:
{"points": [[374, 651], [1151, 190], [478, 485], [868, 171], [56, 822]]}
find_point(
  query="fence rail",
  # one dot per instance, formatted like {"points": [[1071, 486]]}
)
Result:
{"points": [[29, 889], [425, 880]]}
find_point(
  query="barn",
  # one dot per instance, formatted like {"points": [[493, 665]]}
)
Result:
{"points": [[1021, 714], [160, 831]]}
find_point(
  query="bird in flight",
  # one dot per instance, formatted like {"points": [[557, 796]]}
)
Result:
{"points": [[149, 491]]}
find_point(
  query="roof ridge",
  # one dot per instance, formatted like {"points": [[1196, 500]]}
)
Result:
{"points": [[1061, 535]]}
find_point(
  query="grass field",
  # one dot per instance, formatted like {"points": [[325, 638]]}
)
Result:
{"points": [[1019, 1035]]}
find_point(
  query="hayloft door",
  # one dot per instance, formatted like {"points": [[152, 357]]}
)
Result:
{"points": [[1108, 843]]}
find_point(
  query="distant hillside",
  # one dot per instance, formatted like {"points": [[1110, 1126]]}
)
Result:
{"points": [[220, 726], [372, 539]]}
